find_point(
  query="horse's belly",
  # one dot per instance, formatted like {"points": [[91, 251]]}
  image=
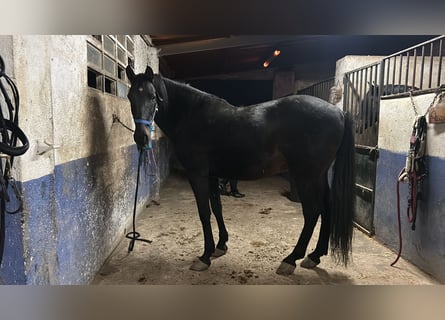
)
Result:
{"points": [[254, 167], [277, 164]]}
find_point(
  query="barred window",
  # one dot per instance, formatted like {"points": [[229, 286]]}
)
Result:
{"points": [[107, 57]]}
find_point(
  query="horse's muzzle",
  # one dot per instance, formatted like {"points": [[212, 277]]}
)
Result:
{"points": [[141, 135]]}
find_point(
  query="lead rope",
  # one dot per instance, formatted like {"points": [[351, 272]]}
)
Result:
{"points": [[134, 235]]}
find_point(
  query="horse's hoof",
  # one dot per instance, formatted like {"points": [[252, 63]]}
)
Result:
{"points": [[308, 263], [285, 269], [219, 252], [198, 265]]}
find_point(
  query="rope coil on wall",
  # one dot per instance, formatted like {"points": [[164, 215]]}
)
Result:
{"points": [[10, 136]]}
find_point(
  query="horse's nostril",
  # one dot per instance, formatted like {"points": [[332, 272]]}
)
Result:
{"points": [[141, 138], [141, 135]]}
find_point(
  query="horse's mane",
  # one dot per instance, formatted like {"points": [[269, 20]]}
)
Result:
{"points": [[161, 90], [183, 86]]}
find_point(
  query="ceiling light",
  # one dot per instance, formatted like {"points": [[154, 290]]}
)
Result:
{"points": [[275, 54]]}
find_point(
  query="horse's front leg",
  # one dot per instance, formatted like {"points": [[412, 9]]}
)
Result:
{"points": [[200, 187], [215, 202]]}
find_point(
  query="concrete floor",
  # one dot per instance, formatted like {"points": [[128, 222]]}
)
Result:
{"points": [[263, 228]]}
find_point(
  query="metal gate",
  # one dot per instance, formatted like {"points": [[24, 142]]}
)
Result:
{"points": [[320, 89], [361, 99], [416, 69]]}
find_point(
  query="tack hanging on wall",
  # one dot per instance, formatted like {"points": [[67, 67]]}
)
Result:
{"points": [[436, 114]]}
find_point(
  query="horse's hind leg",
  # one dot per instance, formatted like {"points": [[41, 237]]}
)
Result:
{"points": [[313, 259], [215, 202], [311, 200]]}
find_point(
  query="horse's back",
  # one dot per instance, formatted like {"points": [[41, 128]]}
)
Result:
{"points": [[299, 131], [308, 108]]}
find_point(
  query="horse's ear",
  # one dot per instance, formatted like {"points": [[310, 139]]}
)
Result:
{"points": [[149, 73], [130, 73]]}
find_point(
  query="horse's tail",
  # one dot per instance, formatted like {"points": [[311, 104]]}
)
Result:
{"points": [[343, 184]]}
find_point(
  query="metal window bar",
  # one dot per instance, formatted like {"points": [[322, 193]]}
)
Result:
{"points": [[440, 62], [378, 80], [361, 100], [430, 78], [394, 71], [320, 89], [422, 65], [413, 69], [108, 53], [355, 105], [400, 70], [359, 106], [407, 69]]}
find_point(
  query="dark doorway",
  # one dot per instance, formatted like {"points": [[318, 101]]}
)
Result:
{"points": [[237, 92]]}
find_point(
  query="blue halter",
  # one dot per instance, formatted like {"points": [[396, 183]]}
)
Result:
{"points": [[143, 121], [150, 128]]}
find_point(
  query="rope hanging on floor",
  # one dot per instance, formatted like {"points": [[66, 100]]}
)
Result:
{"points": [[134, 235]]}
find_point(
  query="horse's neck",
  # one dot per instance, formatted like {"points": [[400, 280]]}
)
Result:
{"points": [[181, 96], [180, 100]]}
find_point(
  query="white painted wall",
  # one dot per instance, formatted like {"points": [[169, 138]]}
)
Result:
{"points": [[424, 246], [349, 63], [56, 101], [396, 124], [78, 196], [32, 71]]}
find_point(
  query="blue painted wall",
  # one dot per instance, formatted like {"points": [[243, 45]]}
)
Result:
{"points": [[12, 270], [424, 246], [78, 176], [74, 218]]}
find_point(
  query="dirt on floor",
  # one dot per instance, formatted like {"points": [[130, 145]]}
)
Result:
{"points": [[263, 229]]}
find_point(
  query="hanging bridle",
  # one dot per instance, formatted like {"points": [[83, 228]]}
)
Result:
{"points": [[415, 170]]}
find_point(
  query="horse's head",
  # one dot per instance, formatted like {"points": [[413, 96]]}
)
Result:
{"points": [[143, 100]]}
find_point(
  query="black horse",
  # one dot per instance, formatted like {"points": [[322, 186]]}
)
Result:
{"points": [[302, 134]]}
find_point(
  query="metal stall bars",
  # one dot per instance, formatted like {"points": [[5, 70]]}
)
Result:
{"points": [[361, 99], [417, 69], [320, 89], [411, 71]]}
